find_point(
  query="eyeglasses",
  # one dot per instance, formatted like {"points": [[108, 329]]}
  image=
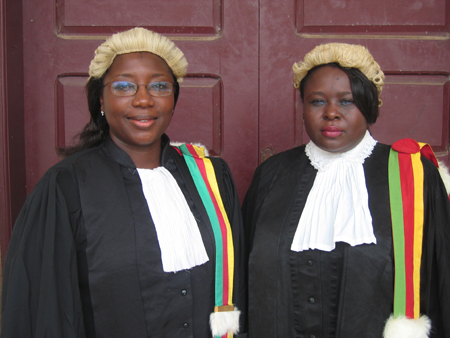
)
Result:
{"points": [[128, 88]]}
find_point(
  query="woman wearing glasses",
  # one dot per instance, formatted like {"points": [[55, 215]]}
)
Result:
{"points": [[128, 236]]}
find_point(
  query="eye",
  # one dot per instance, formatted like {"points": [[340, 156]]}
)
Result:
{"points": [[161, 86], [346, 101], [123, 87], [317, 102]]}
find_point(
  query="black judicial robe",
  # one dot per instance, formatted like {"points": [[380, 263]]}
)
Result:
{"points": [[84, 259], [348, 292]]}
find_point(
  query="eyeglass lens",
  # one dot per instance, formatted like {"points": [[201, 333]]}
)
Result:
{"points": [[128, 88]]}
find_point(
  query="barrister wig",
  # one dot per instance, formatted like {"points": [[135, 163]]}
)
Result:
{"points": [[138, 40], [346, 55]]}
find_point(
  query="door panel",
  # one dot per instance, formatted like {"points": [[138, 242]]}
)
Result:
{"points": [[364, 16], [87, 17], [417, 107], [410, 41]]}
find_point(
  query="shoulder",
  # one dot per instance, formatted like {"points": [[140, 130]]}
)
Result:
{"points": [[436, 175], [379, 157], [80, 156], [380, 150], [199, 152], [381, 147], [63, 174], [289, 158], [435, 171], [219, 164], [284, 168]]}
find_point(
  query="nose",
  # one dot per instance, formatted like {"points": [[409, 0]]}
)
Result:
{"points": [[332, 112], [142, 97]]}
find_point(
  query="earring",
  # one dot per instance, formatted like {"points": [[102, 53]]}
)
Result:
{"points": [[101, 112]]}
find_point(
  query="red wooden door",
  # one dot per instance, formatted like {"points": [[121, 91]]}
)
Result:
{"points": [[409, 39]]}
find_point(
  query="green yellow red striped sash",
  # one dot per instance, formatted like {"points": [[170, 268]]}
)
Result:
{"points": [[406, 184], [202, 172]]}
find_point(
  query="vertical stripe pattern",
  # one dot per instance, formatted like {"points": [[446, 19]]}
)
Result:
{"points": [[202, 172], [406, 189]]}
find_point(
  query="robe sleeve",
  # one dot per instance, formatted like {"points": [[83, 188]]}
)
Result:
{"points": [[257, 192], [40, 295], [232, 207], [435, 288]]}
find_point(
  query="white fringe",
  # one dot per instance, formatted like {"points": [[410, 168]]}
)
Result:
{"points": [[224, 322], [402, 327], [445, 175], [198, 144]]}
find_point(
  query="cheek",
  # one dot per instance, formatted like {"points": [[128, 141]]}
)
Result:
{"points": [[309, 121], [170, 103], [359, 128], [114, 104], [361, 121]]}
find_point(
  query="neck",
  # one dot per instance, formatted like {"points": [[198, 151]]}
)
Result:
{"points": [[144, 157]]}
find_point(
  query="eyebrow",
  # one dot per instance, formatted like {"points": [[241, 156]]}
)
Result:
{"points": [[323, 93], [131, 75]]}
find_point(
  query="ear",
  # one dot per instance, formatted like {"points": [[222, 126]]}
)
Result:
{"points": [[101, 101]]}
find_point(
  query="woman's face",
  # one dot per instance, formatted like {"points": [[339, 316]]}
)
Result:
{"points": [[137, 122], [331, 118]]}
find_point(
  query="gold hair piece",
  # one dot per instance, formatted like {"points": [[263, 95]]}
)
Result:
{"points": [[347, 56], [138, 40]]}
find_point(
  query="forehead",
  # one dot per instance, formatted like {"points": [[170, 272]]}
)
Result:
{"points": [[137, 63], [327, 76]]}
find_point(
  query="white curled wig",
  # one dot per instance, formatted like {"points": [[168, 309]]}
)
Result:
{"points": [[138, 40], [346, 55]]}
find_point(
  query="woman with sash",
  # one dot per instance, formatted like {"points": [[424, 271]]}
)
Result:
{"points": [[347, 237], [128, 236]]}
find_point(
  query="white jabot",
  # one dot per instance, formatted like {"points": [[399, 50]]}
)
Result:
{"points": [[337, 207], [179, 238]]}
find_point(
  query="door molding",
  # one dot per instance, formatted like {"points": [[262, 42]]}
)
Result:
{"points": [[12, 141]]}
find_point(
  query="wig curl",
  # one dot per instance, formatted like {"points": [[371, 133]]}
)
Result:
{"points": [[138, 40], [346, 55]]}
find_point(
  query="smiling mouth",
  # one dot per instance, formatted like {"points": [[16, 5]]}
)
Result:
{"points": [[142, 123]]}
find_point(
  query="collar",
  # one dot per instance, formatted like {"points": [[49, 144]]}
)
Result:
{"points": [[322, 160], [340, 190], [117, 154]]}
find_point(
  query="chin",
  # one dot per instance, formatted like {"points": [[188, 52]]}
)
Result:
{"points": [[333, 149], [337, 147]]}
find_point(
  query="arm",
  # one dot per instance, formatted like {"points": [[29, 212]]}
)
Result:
{"points": [[435, 290], [40, 296]]}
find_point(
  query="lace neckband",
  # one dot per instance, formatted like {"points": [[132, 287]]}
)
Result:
{"points": [[322, 159]]}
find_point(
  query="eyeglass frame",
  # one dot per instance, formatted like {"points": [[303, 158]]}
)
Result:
{"points": [[142, 84]]}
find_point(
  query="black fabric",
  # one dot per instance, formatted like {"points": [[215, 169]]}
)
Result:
{"points": [[347, 292], [84, 259]]}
